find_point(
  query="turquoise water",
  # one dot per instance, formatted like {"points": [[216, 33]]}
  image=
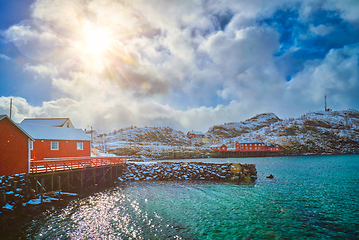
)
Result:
{"points": [[309, 198]]}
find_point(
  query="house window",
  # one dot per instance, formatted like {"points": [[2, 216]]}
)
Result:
{"points": [[255, 148], [250, 148], [31, 145], [54, 145], [80, 146]]}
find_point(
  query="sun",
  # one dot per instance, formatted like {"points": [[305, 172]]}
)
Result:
{"points": [[95, 40]]}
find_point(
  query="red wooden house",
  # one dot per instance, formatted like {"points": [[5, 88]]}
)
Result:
{"points": [[57, 142], [219, 148], [250, 146], [14, 148], [20, 143], [195, 134], [256, 147]]}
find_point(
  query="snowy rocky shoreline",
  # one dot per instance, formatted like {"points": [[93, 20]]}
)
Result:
{"points": [[16, 191]]}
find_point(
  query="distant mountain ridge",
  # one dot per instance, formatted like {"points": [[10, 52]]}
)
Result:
{"points": [[322, 132], [234, 129]]}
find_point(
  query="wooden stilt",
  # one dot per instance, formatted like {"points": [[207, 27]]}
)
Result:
{"points": [[68, 181], [42, 191], [36, 186], [82, 180], [94, 176], [59, 183], [52, 182]]}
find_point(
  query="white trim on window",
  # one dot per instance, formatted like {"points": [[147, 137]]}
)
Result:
{"points": [[54, 145], [80, 146]]}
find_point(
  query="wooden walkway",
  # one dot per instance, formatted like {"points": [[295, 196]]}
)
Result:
{"points": [[66, 164]]}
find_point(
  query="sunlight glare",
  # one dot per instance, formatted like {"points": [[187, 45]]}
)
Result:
{"points": [[96, 40]]}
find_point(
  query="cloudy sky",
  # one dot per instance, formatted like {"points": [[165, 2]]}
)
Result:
{"points": [[185, 64]]}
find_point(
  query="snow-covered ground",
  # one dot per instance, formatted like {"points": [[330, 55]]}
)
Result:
{"points": [[314, 132]]}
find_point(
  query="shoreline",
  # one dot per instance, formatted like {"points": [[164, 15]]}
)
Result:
{"points": [[137, 159]]}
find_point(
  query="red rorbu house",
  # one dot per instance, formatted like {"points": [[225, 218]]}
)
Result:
{"points": [[247, 147], [255, 147], [14, 148], [20, 143], [195, 134], [219, 148]]}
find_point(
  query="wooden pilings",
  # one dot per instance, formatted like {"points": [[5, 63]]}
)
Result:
{"points": [[76, 179]]}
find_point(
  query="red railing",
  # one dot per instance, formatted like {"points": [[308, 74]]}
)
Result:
{"points": [[65, 164]]}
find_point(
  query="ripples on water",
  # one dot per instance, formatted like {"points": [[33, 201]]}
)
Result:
{"points": [[310, 197]]}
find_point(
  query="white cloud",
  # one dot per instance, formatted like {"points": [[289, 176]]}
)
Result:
{"points": [[2, 56], [335, 76], [172, 64], [44, 70], [321, 30]]}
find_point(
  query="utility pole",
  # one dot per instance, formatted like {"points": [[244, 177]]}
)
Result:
{"points": [[325, 106], [10, 106], [325, 101], [91, 137]]}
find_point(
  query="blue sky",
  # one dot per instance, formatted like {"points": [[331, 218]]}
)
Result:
{"points": [[185, 64]]}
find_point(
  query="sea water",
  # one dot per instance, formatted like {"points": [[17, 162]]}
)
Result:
{"points": [[311, 197]]}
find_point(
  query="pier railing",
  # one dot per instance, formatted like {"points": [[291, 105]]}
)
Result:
{"points": [[70, 163]]}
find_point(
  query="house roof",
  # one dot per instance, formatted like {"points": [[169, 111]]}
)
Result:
{"points": [[217, 145], [196, 132], [5, 116], [54, 133], [54, 122]]}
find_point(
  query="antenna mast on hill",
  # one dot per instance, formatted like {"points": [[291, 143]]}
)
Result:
{"points": [[325, 106], [325, 100]]}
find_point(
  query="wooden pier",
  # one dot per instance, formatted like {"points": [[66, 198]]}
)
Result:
{"points": [[67, 174]]}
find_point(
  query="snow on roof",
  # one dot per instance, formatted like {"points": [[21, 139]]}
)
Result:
{"points": [[55, 122], [196, 132], [54, 133], [219, 145]]}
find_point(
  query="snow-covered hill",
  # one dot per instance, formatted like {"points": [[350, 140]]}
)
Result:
{"points": [[334, 132], [234, 129]]}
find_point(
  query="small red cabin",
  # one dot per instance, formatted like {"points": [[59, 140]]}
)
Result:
{"points": [[195, 134], [219, 148], [20, 143]]}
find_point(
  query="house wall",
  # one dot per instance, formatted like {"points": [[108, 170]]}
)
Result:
{"points": [[192, 135], [219, 148], [251, 147], [42, 149], [13, 149]]}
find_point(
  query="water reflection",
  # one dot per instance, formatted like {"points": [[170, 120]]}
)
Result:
{"points": [[306, 199]]}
